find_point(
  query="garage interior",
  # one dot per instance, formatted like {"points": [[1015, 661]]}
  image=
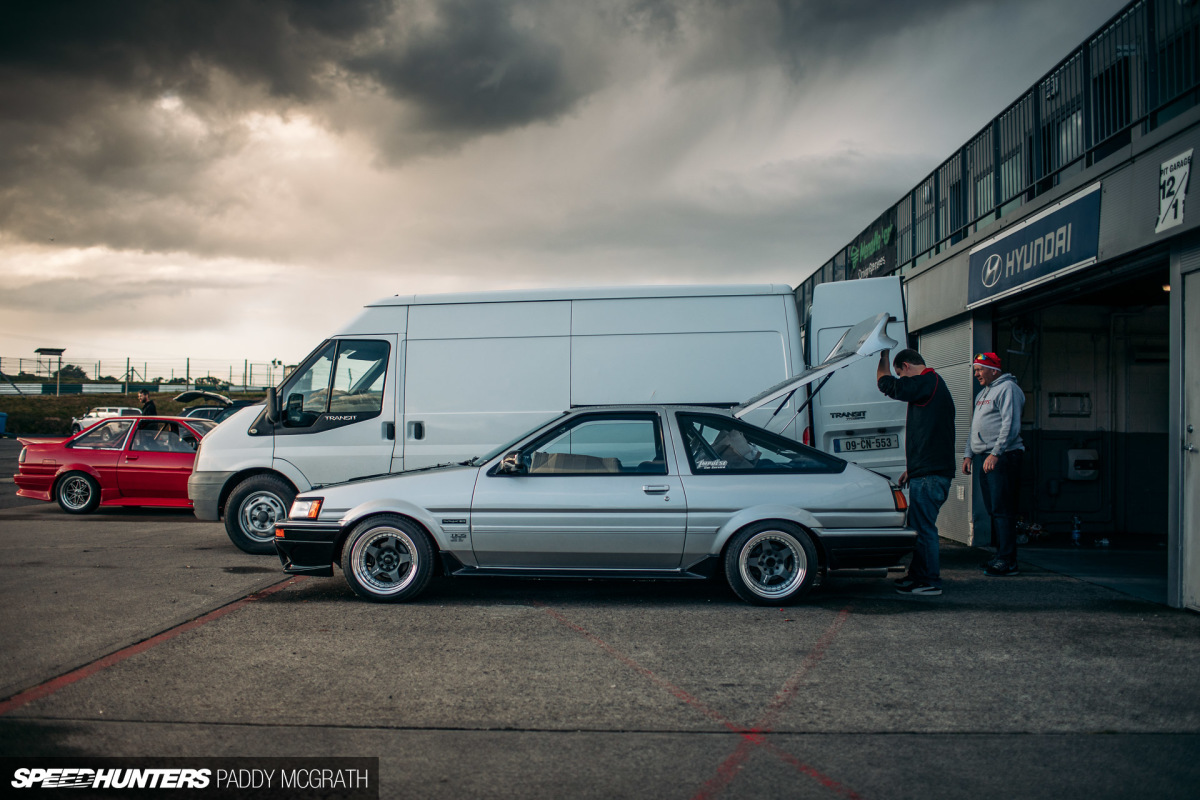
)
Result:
{"points": [[1093, 360]]}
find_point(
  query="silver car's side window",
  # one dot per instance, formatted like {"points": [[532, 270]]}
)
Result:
{"points": [[105, 436], [720, 444], [599, 446]]}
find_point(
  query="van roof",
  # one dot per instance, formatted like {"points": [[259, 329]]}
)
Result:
{"points": [[583, 293]]}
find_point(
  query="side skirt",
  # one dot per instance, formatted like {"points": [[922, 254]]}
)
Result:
{"points": [[701, 570]]}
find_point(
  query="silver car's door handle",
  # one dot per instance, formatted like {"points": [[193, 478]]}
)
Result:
{"points": [[656, 489]]}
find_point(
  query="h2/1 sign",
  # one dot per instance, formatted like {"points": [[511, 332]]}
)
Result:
{"points": [[1172, 190]]}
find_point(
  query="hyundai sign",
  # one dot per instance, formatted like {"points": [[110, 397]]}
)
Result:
{"points": [[1063, 238]]}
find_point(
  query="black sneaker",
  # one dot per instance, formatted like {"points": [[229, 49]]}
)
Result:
{"points": [[920, 590], [905, 582], [1000, 570]]}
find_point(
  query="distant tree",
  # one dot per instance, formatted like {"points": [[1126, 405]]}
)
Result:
{"points": [[210, 380], [71, 374], [176, 381]]}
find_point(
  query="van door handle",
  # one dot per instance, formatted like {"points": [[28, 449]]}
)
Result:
{"points": [[389, 430], [656, 489], [416, 430]]}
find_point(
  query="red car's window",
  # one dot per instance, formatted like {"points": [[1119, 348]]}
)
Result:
{"points": [[161, 436], [105, 436]]}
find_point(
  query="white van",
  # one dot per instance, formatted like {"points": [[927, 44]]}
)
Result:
{"points": [[421, 380], [849, 416]]}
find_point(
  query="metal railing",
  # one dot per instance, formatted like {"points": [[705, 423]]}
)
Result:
{"points": [[1138, 71]]}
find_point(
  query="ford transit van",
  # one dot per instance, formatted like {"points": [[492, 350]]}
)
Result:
{"points": [[415, 381]]}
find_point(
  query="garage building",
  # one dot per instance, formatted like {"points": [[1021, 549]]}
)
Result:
{"points": [[1061, 238]]}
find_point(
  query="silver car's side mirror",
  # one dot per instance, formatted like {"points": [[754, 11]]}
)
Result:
{"points": [[511, 464]]}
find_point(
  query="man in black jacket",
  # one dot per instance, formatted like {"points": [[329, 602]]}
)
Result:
{"points": [[929, 456], [149, 409]]}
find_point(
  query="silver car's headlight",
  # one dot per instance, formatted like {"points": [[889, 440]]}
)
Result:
{"points": [[306, 508]]}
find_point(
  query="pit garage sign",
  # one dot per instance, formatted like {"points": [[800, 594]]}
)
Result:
{"points": [[1062, 238], [1172, 190]]}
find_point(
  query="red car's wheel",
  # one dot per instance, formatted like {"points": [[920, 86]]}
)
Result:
{"points": [[77, 493]]}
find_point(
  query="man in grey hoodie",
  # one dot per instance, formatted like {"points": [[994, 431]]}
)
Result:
{"points": [[995, 450]]}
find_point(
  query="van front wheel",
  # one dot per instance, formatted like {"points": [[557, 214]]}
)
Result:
{"points": [[252, 510]]}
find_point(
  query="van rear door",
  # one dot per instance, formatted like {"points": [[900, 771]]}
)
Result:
{"points": [[850, 417]]}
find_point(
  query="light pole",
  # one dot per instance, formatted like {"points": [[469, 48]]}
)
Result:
{"points": [[275, 362]]}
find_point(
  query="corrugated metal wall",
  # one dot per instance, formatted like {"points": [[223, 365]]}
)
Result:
{"points": [[948, 351]]}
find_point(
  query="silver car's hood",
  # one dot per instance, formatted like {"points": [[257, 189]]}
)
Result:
{"points": [[432, 489]]}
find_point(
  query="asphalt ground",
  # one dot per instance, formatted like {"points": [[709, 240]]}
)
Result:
{"points": [[138, 633]]}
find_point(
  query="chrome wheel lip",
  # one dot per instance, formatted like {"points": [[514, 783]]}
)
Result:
{"points": [[798, 569], [75, 492], [362, 570], [259, 514]]}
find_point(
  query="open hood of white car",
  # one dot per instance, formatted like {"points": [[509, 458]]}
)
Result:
{"points": [[200, 394], [863, 340]]}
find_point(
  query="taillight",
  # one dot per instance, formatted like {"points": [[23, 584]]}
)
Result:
{"points": [[807, 439], [898, 499], [21, 458]]}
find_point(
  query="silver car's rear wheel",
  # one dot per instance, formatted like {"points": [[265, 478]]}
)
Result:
{"points": [[771, 562], [387, 559]]}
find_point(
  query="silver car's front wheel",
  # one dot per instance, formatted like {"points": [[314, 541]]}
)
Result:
{"points": [[771, 562], [387, 559]]}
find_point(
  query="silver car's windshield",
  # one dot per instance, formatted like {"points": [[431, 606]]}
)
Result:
{"points": [[479, 461]]}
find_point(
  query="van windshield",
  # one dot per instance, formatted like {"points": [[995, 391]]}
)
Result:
{"points": [[479, 461]]}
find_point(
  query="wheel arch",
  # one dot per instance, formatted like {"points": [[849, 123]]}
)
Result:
{"points": [[384, 508], [236, 478], [787, 514], [67, 469]]}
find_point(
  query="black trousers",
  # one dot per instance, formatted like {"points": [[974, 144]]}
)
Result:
{"points": [[1000, 489]]}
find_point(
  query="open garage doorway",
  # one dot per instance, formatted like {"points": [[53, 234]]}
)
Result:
{"points": [[1094, 362]]}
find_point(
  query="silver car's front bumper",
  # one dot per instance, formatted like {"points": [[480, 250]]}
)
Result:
{"points": [[204, 490]]}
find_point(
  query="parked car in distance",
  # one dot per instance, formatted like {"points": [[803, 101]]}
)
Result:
{"points": [[639, 491], [103, 412], [126, 461], [203, 412]]}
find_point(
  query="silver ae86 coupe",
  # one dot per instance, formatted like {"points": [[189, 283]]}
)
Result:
{"points": [[616, 492]]}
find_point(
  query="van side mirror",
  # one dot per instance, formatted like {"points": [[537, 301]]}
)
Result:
{"points": [[272, 406], [511, 464]]}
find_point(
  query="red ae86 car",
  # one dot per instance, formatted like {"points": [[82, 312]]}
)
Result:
{"points": [[128, 461]]}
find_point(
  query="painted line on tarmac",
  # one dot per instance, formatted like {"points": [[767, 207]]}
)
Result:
{"points": [[751, 737], [730, 767], [104, 662]]}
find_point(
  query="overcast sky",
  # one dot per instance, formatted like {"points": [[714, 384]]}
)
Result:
{"points": [[236, 178]]}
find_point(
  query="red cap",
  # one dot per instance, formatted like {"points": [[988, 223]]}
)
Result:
{"points": [[989, 360]]}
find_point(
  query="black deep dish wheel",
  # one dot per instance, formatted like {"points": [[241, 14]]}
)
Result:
{"points": [[252, 510], [77, 493], [387, 559], [771, 563]]}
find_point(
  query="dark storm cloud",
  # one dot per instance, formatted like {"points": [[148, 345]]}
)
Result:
{"points": [[86, 157], [475, 68], [151, 46]]}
